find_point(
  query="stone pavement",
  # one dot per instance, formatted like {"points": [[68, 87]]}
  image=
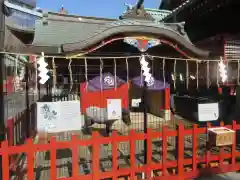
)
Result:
{"points": [[227, 176]]}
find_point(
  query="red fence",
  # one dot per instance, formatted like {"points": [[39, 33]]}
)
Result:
{"points": [[18, 129], [164, 165]]}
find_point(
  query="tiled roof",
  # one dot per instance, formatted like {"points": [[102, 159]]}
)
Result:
{"points": [[71, 33], [181, 7], [57, 30], [158, 14]]}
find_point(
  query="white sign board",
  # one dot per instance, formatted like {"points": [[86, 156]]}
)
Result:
{"points": [[208, 112], [114, 109], [136, 102], [53, 117]]}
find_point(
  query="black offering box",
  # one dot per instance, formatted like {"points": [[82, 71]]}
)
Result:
{"points": [[187, 106]]}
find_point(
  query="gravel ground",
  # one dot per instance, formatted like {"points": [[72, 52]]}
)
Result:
{"points": [[64, 170]]}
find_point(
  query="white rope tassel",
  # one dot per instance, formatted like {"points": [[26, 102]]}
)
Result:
{"points": [[217, 75], [115, 74], [101, 75], [164, 78], [174, 73], [152, 69], [238, 73], [208, 78], [187, 74], [54, 74], [197, 73], [86, 73], [127, 71], [70, 73]]}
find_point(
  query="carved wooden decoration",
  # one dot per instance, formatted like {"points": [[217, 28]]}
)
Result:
{"points": [[136, 12]]}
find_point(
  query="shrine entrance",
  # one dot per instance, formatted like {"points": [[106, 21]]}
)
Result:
{"points": [[81, 88]]}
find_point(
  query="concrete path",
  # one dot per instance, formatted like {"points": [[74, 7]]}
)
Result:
{"points": [[228, 176]]}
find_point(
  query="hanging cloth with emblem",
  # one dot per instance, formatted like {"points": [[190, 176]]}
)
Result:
{"points": [[142, 43]]}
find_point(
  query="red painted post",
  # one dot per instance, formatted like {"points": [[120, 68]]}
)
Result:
{"points": [[194, 146], [30, 158], [95, 156], [164, 150], [149, 153], [167, 112], [180, 151], [219, 90], [167, 99], [53, 157], [132, 154], [5, 161], [114, 155], [75, 157], [234, 128]]}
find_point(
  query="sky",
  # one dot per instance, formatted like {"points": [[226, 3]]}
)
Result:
{"points": [[98, 8]]}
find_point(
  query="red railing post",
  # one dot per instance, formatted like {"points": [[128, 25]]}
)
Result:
{"points": [[180, 150], [5, 160], [167, 112], [53, 156], [164, 150], [149, 153], [132, 154], [194, 147], [30, 158], [95, 156], [114, 155], [75, 165]]}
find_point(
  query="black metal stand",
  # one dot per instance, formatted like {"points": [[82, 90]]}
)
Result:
{"points": [[145, 109], [28, 119], [2, 77]]}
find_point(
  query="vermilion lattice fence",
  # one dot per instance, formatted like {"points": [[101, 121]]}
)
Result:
{"points": [[226, 158]]}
